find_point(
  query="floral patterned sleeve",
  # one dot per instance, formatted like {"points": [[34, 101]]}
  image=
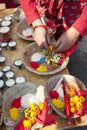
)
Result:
{"points": [[29, 8], [81, 23]]}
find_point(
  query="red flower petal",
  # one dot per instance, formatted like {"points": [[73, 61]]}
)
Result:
{"points": [[54, 94], [34, 64], [30, 36], [46, 118], [16, 103], [20, 126], [61, 61], [82, 92]]}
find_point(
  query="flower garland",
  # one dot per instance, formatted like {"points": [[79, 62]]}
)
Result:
{"points": [[46, 60]]}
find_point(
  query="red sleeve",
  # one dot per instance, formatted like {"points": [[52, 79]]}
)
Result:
{"points": [[81, 23], [29, 8]]}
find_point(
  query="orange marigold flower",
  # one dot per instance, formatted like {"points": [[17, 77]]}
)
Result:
{"points": [[41, 106], [82, 99], [73, 109], [50, 47], [72, 93]]}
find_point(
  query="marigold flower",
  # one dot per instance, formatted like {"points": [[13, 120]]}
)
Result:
{"points": [[33, 120], [27, 123], [26, 112], [33, 113], [82, 99], [73, 109], [50, 47], [76, 99], [72, 93], [38, 111], [78, 106], [72, 104], [41, 106], [33, 106], [14, 113], [58, 103], [42, 68]]}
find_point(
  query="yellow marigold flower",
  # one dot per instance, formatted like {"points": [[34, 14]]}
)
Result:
{"points": [[82, 99], [42, 68], [32, 119], [76, 98], [33, 106], [72, 104], [33, 113], [73, 109], [71, 99], [72, 93], [78, 105], [27, 123], [50, 47], [58, 103], [38, 111], [26, 112], [41, 106], [14, 113]]}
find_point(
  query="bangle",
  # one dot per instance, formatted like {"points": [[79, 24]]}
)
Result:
{"points": [[42, 26]]}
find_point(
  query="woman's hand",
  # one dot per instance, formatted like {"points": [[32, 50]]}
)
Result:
{"points": [[40, 34], [67, 40], [41, 37]]}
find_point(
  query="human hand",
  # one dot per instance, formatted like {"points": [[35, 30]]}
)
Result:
{"points": [[66, 40], [41, 37]]}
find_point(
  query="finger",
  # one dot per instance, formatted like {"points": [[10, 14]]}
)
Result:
{"points": [[44, 45], [60, 48], [48, 40]]}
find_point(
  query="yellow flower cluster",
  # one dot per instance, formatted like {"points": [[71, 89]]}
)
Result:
{"points": [[14, 113], [42, 68], [58, 103], [76, 103], [32, 113]]}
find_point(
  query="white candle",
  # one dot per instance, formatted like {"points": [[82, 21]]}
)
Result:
{"points": [[5, 23], [8, 18], [18, 63], [20, 79], [6, 68], [12, 44], [4, 30], [4, 44], [10, 82], [1, 83], [2, 59], [10, 74]]}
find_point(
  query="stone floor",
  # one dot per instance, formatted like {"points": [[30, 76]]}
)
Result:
{"points": [[78, 61], [78, 67]]}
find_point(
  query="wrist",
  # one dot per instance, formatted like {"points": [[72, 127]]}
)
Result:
{"points": [[39, 26], [37, 22]]}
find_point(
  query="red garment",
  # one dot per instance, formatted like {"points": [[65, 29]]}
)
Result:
{"points": [[64, 13], [74, 10]]}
